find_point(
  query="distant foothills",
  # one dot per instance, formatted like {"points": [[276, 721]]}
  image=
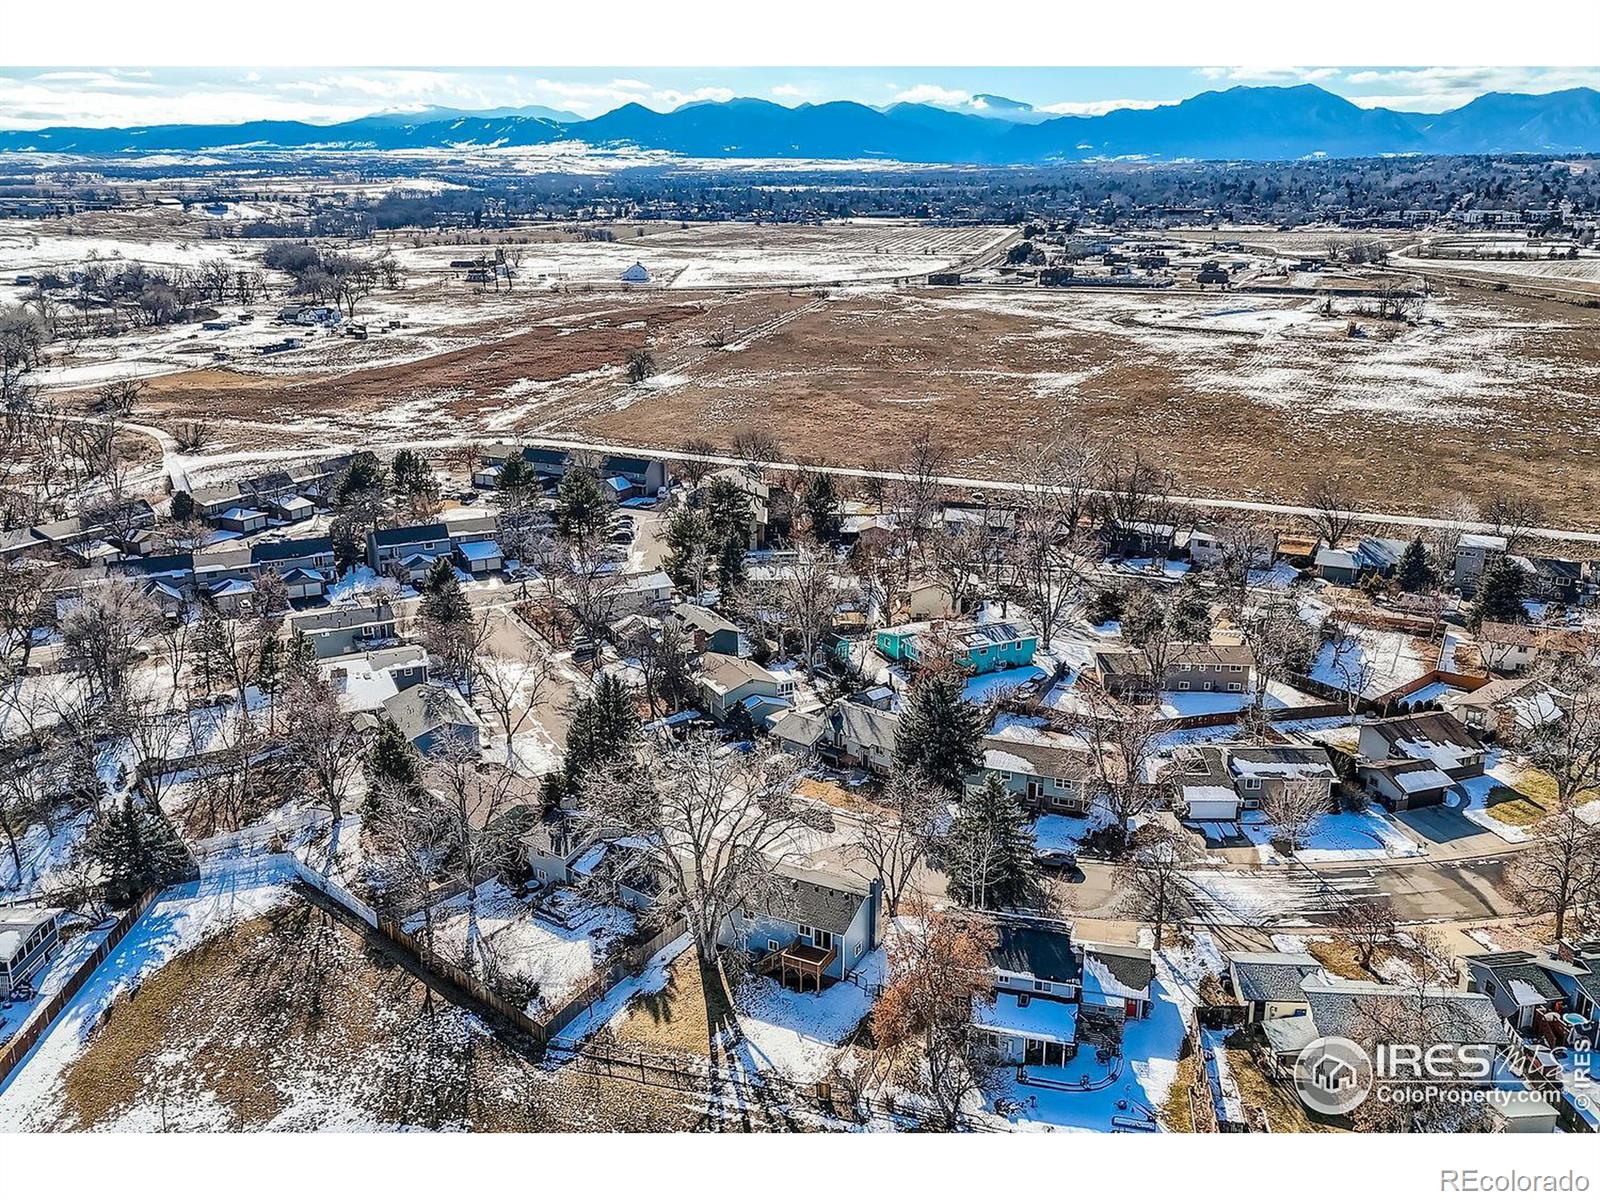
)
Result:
{"points": [[1242, 123]]}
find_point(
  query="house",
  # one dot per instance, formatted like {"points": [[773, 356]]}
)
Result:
{"points": [[1270, 985], [431, 717], [338, 631], [1509, 647], [1355, 1009], [1219, 782], [808, 926], [1415, 760], [304, 564], [755, 489], [1552, 579], [979, 648], [1549, 998], [1033, 1018], [364, 682], [290, 509], [728, 684], [927, 600], [1214, 666], [28, 937], [636, 274], [1044, 981], [166, 597], [648, 474], [1048, 771], [861, 735], [645, 592], [1502, 705], [242, 519], [707, 630], [232, 597], [1474, 554], [799, 732], [211, 502], [410, 550], [1142, 539], [1209, 547], [1370, 556]]}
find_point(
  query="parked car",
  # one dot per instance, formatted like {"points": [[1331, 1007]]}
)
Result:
{"points": [[1056, 859]]}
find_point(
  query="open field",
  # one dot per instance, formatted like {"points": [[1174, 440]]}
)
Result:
{"points": [[1249, 396]]}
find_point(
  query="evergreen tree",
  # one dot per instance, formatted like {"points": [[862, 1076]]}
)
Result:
{"points": [[299, 656], [1415, 573], [990, 848], [392, 758], [516, 476], [687, 537], [136, 850], [941, 735], [364, 474], [821, 501], [412, 475], [445, 604], [581, 507], [603, 730], [1501, 591], [438, 576], [729, 515], [182, 506]]}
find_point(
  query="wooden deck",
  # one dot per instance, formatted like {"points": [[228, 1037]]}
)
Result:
{"points": [[800, 961]]}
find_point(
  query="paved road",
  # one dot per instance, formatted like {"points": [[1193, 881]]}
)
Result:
{"points": [[968, 483]]}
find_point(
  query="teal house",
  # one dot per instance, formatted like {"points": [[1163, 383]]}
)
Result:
{"points": [[996, 646]]}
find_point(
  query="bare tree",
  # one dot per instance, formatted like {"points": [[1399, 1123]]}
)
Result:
{"points": [[717, 825], [322, 738], [511, 687], [807, 591], [1368, 923], [1333, 510], [1559, 872], [1119, 742], [1293, 807], [898, 843], [1151, 878], [103, 632], [692, 468], [1514, 518]]}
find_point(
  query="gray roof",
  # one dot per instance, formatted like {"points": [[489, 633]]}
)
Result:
{"points": [[866, 726], [404, 535], [425, 707], [703, 619], [1033, 948], [1519, 966], [820, 899], [1351, 1008], [804, 729], [1132, 966], [1271, 977], [343, 618]]}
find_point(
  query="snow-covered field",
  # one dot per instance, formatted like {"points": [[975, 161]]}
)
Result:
{"points": [[735, 255], [797, 1034], [1374, 662]]}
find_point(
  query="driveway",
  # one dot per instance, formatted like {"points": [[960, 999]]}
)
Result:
{"points": [[1450, 830]]}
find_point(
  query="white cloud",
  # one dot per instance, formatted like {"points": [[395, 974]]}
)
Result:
{"points": [[932, 93], [1096, 108], [1271, 75], [675, 99], [789, 91]]}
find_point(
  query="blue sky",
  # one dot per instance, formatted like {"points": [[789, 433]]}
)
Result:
{"points": [[33, 97]]}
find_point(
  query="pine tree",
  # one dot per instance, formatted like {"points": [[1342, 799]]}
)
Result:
{"points": [[439, 576], [603, 730], [821, 501], [299, 656], [136, 850], [581, 507], [392, 758], [1415, 573], [991, 852], [687, 537], [1501, 592], [446, 605], [941, 735]]}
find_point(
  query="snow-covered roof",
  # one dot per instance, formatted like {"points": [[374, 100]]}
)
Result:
{"points": [[1044, 1019], [484, 549], [1422, 780]]}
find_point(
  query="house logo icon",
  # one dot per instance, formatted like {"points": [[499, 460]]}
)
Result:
{"points": [[1333, 1076]]}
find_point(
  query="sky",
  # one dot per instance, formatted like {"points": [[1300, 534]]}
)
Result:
{"points": [[109, 96]]}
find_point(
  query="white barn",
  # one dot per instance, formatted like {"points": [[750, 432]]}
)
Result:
{"points": [[636, 274]]}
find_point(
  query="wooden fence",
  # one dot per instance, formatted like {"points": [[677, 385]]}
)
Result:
{"points": [[630, 962], [39, 1020]]}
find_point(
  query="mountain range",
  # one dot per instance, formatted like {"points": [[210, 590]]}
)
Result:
{"points": [[1253, 123]]}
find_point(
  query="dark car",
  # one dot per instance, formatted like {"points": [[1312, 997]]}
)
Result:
{"points": [[1057, 859]]}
